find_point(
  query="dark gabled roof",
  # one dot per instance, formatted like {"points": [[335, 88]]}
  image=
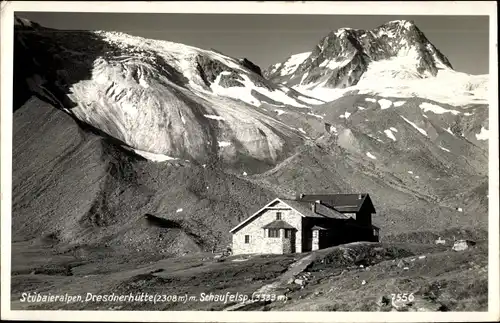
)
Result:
{"points": [[303, 207], [344, 203], [336, 203], [328, 211], [278, 224]]}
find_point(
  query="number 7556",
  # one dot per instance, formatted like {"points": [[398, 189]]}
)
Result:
{"points": [[403, 297]]}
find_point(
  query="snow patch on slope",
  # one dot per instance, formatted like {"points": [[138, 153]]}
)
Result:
{"points": [[385, 104], [291, 65], [244, 93], [445, 149], [315, 115], [484, 134], [389, 134], [214, 117], [335, 64], [153, 156], [346, 115], [422, 131], [436, 108]]}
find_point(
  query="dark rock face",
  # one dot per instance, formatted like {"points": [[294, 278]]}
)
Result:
{"points": [[209, 69], [344, 55], [231, 80], [251, 66]]}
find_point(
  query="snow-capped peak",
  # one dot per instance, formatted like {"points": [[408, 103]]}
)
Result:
{"points": [[393, 55]]}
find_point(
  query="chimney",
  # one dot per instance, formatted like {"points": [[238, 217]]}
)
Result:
{"points": [[301, 196], [360, 196]]}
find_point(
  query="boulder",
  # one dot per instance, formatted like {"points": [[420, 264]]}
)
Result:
{"points": [[440, 241], [299, 281], [402, 264], [461, 245]]}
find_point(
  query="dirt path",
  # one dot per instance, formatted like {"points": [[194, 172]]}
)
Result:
{"points": [[293, 270]]}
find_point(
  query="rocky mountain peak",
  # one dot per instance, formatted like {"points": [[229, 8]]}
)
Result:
{"points": [[341, 58]]}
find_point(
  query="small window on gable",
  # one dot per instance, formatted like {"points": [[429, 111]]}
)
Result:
{"points": [[247, 239], [278, 216]]}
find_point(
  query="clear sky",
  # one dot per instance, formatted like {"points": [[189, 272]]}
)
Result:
{"points": [[268, 39]]}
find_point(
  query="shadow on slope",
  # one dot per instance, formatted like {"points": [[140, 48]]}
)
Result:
{"points": [[47, 62]]}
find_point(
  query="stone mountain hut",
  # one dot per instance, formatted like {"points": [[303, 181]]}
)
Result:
{"points": [[309, 222]]}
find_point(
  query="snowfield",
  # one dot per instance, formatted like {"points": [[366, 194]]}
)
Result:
{"points": [[447, 86]]}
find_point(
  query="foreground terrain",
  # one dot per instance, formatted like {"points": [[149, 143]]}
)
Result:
{"points": [[354, 277]]}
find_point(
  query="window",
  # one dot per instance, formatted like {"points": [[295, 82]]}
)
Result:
{"points": [[288, 233], [278, 215], [315, 233], [247, 239], [274, 233]]}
